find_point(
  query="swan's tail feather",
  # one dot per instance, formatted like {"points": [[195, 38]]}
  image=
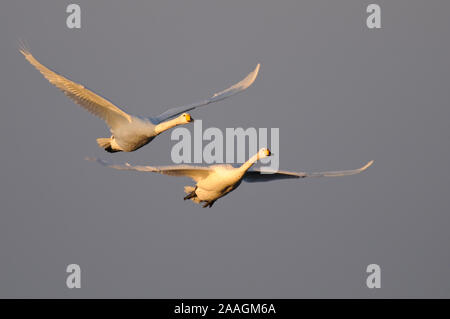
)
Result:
{"points": [[189, 189], [105, 143]]}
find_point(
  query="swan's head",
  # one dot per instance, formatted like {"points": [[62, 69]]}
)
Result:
{"points": [[264, 152], [186, 118]]}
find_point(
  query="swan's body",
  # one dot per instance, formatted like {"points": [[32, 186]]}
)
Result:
{"points": [[130, 136], [129, 132], [216, 181]]}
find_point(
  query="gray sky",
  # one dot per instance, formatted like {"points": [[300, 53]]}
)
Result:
{"points": [[341, 95]]}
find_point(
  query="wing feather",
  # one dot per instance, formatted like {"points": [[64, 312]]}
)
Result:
{"points": [[82, 96], [196, 173], [259, 176], [232, 90]]}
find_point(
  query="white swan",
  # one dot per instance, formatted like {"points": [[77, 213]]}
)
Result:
{"points": [[130, 133], [216, 181]]}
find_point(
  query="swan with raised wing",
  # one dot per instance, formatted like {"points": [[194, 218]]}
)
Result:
{"points": [[215, 181], [129, 132]]}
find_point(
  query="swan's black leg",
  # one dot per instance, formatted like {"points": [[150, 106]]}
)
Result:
{"points": [[209, 204], [191, 194]]}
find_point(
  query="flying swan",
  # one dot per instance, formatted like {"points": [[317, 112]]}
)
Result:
{"points": [[129, 132], [216, 181]]}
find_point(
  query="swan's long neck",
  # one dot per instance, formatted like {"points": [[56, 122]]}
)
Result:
{"points": [[252, 160], [164, 126]]}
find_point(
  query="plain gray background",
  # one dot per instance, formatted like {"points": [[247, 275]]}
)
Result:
{"points": [[341, 95]]}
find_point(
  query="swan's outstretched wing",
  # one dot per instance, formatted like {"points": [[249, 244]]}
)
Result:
{"points": [[232, 90], [92, 102], [197, 173], [257, 176]]}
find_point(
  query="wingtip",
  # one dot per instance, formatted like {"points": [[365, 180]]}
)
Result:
{"points": [[367, 165], [255, 72], [23, 48], [251, 77], [95, 159]]}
